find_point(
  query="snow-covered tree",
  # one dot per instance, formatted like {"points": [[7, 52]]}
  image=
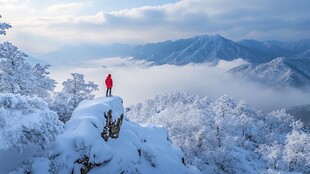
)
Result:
{"points": [[3, 27], [78, 89], [15, 75], [273, 154], [42, 83], [26, 121], [292, 154], [225, 137], [74, 91], [19, 77], [297, 151]]}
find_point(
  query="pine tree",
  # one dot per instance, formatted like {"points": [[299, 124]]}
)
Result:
{"points": [[15, 76], [74, 91], [42, 84], [19, 77]]}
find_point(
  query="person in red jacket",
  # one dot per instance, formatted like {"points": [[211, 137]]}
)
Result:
{"points": [[109, 84]]}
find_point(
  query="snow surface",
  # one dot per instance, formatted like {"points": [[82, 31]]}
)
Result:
{"points": [[137, 149]]}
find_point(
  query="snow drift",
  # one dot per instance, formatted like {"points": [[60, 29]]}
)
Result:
{"points": [[81, 149]]}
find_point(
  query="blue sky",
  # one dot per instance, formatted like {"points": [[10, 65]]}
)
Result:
{"points": [[44, 25]]}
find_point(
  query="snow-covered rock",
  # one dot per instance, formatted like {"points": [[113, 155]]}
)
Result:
{"points": [[81, 149]]}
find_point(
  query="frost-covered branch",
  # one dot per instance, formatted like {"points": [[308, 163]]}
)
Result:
{"points": [[4, 26]]}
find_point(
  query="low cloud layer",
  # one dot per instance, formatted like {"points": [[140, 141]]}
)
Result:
{"points": [[136, 82]]}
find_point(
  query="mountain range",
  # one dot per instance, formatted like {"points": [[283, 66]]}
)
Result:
{"points": [[276, 48], [206, 48], [291, 70], [197, 49]]}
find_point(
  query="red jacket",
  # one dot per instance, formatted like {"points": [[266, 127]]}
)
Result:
{"points": [[109, 81]]}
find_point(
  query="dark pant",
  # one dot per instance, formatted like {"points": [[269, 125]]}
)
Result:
{"points": [[109, 90]]}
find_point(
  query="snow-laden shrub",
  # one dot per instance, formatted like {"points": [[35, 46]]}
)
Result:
{"points": [[25, 121]]}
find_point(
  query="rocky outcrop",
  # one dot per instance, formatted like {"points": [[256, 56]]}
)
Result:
{"points": [[112, 126], [86, 146]]}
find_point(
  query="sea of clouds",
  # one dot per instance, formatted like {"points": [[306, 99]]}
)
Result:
{"points": [[136, 81]]}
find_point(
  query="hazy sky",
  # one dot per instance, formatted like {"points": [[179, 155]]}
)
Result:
{"points": [[41, 26]]}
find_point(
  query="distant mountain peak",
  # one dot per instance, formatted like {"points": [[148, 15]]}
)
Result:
{"points": [[278, 60], [280, 73], [208, 37], [198, 49], [212, 39]]}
